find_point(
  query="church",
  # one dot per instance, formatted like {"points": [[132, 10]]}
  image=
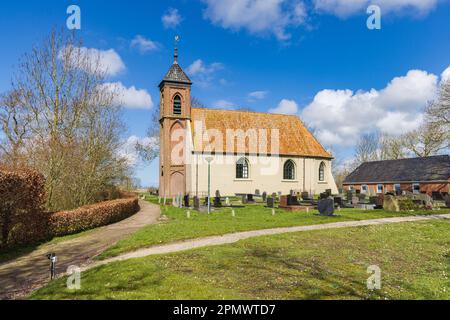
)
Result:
{"points": [[234, 152]]}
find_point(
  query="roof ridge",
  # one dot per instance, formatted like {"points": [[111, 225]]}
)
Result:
{"points": [[404, 159], [244, 111]]}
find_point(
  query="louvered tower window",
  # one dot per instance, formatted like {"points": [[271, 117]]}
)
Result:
{"points": [[177, 105]]}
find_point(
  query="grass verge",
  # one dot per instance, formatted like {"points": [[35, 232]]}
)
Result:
{"points": [[414, 259]]}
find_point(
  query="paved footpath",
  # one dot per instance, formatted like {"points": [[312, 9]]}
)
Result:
{"points": [[235, 237], [30, 271]]}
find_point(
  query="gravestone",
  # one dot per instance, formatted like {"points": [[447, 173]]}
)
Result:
{"points": [[377, 201], [218, 193], [390, 203], [270, 202], [425, 200], [355, 201], [206, 201], [227, 202], [186, 201], [274, 196], [250, 198], [326, 207], [328, 191], [280, 193], [244, 199], [264, 196], [362, 197], [217, 202], [305, 196], [196, 203], [292, 201], [292, 193], [324, 195], [447, 200], [338, 201], [174, 202], [257, 192]]}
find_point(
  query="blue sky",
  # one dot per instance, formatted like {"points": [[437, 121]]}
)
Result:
{"points": [[314, 58]]}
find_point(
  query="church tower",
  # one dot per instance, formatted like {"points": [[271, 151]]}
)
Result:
{"points": [[175, 113]]}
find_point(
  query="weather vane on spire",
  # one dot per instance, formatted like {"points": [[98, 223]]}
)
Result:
{"points": [[177, 39]]}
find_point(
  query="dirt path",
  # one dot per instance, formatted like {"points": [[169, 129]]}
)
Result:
{"points": [[22, 275], [235, 237]]}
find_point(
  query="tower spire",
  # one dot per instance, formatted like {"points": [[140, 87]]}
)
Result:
{"points": [[175, 54]]}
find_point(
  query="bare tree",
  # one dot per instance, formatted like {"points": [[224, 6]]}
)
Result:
{"points": [[438, 112], [367, 148], [428, 140], [69, 126]]}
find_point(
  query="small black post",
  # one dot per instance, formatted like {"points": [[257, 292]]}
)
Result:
{"points": [[52, 257]]}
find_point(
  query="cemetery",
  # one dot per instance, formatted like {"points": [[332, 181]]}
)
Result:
{"points": [[186, 217]]}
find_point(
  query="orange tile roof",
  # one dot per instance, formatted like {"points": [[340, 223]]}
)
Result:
{"points": [[295, 139]]}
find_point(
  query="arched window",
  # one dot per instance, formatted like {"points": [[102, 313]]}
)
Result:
{"points": [[322, 172], [289, 170], [177, 105], [242, 169]]}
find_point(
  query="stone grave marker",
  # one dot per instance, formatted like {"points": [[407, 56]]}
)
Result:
{"points": [[270, 202], [217, 202], [196, 203], [326, 207], [264, 196], [186, 201]]}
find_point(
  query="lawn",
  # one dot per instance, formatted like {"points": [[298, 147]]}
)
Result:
{"points": [[328, 264], [252, 217]]}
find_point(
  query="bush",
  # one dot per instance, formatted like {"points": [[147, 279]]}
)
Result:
{"points": [[407, 204], [92, 216], [22, 197]]}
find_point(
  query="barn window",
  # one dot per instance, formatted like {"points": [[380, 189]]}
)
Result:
{"points": [[380, 188], [177, 105], [416, 188], [322, 172], [364, 188], [242, 169], [289, 170]]}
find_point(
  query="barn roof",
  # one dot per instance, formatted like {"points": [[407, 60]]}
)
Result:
{"points": [[294, 137], [436, 168]]}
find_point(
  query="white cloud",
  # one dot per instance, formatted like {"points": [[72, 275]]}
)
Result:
{"points": [[199, 67], [129, 152], [130, 97], [257, 16], [285, 107], [171, 19], [203, 74], [445, 76], [259, 95], [341, 116], [144, 45], [109, 61], [346, 8], [224, 104]]}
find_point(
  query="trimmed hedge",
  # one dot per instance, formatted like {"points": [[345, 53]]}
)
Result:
{"points": [[23, 219], [22, 197], [92, 216]]}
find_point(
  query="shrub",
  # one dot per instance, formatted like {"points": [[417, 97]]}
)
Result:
{"points": [[407, 204], [22, 196], [92, 216]]}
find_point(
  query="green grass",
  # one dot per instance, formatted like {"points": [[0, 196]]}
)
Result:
{"points": [[328, 264], [252, 217]]}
